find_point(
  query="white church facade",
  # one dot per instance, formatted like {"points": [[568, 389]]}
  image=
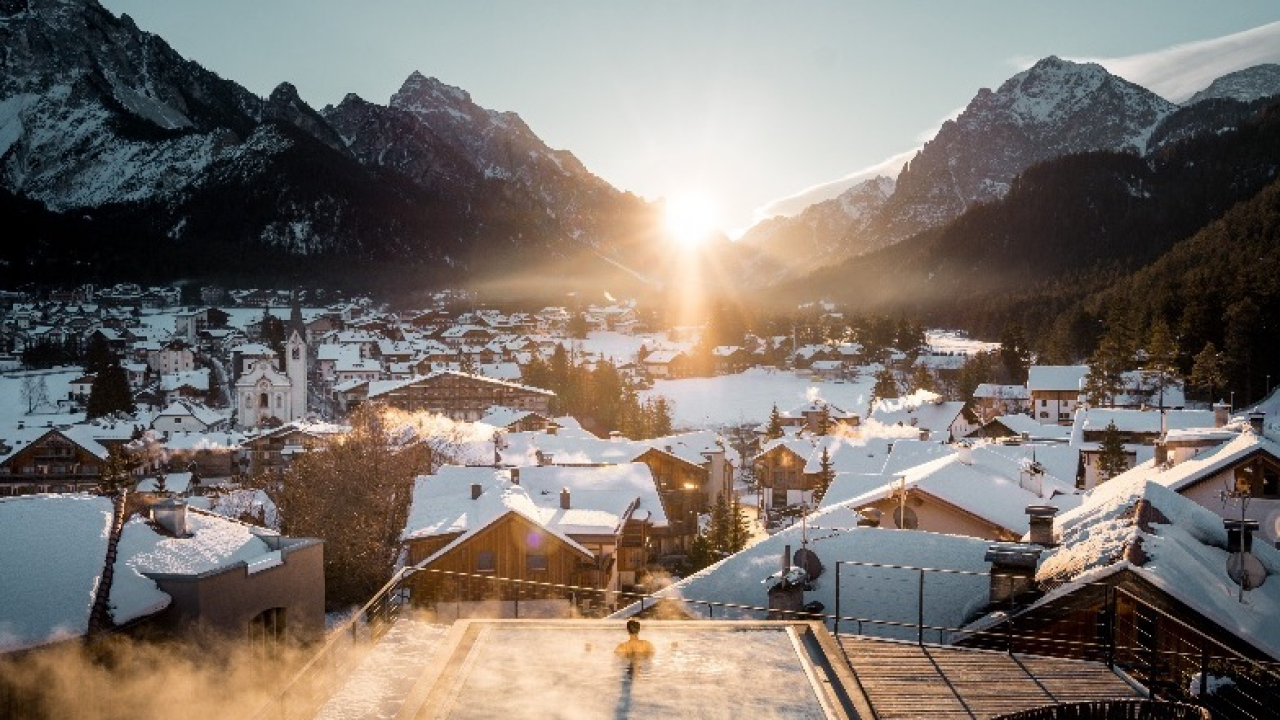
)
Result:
{"points": [[265, 395]]}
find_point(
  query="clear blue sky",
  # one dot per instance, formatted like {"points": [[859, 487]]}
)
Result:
{"points": [[744, 101]]}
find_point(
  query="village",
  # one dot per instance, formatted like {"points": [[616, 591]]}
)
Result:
{"points": [[863, 488]]}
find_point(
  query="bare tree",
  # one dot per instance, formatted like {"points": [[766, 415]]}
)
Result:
{"points": [[354, 492], [35, 392]]}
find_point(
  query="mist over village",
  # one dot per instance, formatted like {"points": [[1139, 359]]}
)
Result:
{"points": [[374, 404]]}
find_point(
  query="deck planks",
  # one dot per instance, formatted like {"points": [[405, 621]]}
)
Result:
{"points": [[903, 680]]}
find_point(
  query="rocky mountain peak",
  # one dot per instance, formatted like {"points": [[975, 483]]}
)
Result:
{"points": [[421, 92], [1245, 85]]}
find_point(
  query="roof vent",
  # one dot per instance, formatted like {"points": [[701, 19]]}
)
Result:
{"points": [[565, 500], [1040, 520], [476, 490], [171, 515]]}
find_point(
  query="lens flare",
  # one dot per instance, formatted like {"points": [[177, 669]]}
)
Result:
{"points": [[691, 218]]}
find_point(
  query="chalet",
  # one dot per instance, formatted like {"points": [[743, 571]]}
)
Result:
{"points": [[459, 335], [513, 420], [587, 527], [991, 401], [1139, 430], [1141, 577], [729, 359], [182, 572], [273, 449], [927, 412], [974, 491], [187, 416], [459, 395], [348, 368], [41, 460], [1237, 477], [780, 472], [666, 364], [189, 385], [1055, 392]]}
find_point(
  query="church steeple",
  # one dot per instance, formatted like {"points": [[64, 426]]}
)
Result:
{"points": [[295, 317]]}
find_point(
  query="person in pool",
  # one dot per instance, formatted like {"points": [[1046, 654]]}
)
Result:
{"points": [[634, 647]]}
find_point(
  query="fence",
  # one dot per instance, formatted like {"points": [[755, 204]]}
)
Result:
{"points": [[1096, 621], [1099, 622]]}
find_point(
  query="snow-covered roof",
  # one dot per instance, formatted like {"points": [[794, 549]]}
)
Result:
{"points": [[198, 379], [55, 547], [601, 499], [1205, 465], [988, 484], [182, 408], [881, 593], [1002, 392], [1183, 553], [1139, 421], [1056, 378], [1032, 429], [922, 409]]}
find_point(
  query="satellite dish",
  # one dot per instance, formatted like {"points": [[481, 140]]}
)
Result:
{"points": [[1245, 570], [808, 559], [905, 518]]}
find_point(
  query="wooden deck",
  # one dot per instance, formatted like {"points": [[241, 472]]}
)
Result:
{"points": [[904, 680]]}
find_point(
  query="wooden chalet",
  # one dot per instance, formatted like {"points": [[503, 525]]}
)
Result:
{"points": [[461, 396]]}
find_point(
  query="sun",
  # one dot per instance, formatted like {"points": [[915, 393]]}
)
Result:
{"points": [[691, 218]]}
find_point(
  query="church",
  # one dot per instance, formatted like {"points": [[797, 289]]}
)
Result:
{"points": [[266, 396]]}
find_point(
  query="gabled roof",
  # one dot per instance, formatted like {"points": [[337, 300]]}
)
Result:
{"points": [[1205, 465]]}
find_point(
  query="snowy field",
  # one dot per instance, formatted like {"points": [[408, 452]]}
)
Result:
{"points": [[53, 384], [956, 343], [749, 397]]}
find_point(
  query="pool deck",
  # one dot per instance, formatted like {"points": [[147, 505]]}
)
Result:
{"points": [[905, 680]]}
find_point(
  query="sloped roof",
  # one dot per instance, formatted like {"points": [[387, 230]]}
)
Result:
{"points": [[1062, 378], [1183, 553]]}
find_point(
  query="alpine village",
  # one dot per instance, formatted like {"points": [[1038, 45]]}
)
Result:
{"points": [[390, 410]]}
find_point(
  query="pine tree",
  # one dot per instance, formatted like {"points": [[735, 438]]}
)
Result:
{"points": [[1160, 370], [825, 423], [1106, 371], [1112, 459], [1014, 353], [719, 534], [886, 386], [110, 393], [826, 473], [739, 527], [1207, 371], [774, 430]]}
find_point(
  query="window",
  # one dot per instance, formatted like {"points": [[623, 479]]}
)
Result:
{"points": [[267, 632], [779, 496], [264, 401], [536, 562], [486, 562]]}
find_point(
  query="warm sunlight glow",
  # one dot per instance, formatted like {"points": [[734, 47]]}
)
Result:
{"points": [[691, 218]]}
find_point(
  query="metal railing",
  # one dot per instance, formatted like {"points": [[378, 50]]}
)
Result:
{"points": [[1098, 622]]}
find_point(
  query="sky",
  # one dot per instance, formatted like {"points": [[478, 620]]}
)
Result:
{"points": [[759, 106]]}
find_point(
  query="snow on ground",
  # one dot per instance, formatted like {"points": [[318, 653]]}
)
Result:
{"points": [[379, 685], [622, 348], [53, 552], [54, 384], [748, 397], [956, 343]]}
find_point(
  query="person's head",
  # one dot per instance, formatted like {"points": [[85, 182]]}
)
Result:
{"points": [[633, 627]]}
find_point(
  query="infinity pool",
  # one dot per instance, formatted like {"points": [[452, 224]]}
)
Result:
{"points": [[518, 669]]}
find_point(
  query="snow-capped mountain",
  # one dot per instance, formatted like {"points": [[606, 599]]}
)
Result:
{"points": [[96, 114], [1246, 85], [1053, 109], [790, 245]]}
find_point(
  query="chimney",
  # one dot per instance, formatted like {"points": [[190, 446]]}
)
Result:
{"points": [[1221, 414], [1162, 453], [615, 435], [1240, 534], [476, 490], [1013, 571], [552, 428], [515, 476], [171, 515], [565, 502], [964, 451], [1257, 420], [1040, 519], [786, 558]]}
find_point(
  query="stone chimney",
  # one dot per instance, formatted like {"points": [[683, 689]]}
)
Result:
{"points": [[171, 515], [1013, 571], [1257, 420], [515, 476], [565, 500], [964, 452], [1040, 520], [476, 490], [1221, 414]]}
